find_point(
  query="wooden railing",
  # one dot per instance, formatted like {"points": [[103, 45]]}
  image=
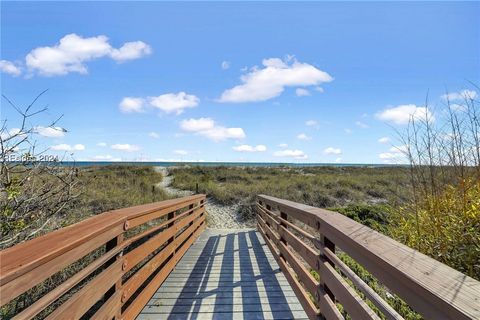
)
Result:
{"points": [[305, 238], [127, 254]]}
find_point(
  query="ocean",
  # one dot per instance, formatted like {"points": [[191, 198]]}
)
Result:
{"points": [[214, 164]]}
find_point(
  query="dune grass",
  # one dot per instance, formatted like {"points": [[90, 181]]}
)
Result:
{"points": [[324, 187]]}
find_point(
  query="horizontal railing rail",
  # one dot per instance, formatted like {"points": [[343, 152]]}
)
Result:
{"points": [[125, 254], [304, 239]]}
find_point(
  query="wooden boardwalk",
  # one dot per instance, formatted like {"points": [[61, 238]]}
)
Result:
{"points": [[226, 274]]}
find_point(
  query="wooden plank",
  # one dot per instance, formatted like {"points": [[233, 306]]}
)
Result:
{"points": [[26, 256], [142, 251], [138, 220], [132, 284], [431, 288], [56, 293], [302, 296], [348, 297], [383, 306], [303, 274], [160, 226], [18, 285], [92, 292], [110, 308], [141, 300], [328, 309], [310, 255], [297, 212]]}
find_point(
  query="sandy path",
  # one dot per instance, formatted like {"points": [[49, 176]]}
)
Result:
{"points": [[219, 216]]}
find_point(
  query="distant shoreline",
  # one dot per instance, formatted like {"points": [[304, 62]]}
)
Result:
{"points": [[215, 164]]}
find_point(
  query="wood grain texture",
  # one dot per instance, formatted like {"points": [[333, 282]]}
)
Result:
{"points": [[225, 274], [431, 288]]}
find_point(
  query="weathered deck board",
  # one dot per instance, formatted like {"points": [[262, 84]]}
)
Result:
{"points": [[226, 274]]}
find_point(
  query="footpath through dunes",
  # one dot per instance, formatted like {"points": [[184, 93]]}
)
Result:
{"points": [[219, 216]]}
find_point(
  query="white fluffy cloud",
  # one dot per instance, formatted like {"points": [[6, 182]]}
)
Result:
{"points": [[131, 51], [174, 102], [10, 68], [154, 135], [396, 154], [283, 145], [102, 144], [125, 147], [384, 140], [301, 92], [73, 51], [311, 123], [461, 95], [67, 147], [225, 65], [248, 148], [331, 150], [261, 84], [304, 137], [296, 154], [403, 113], [207, 128], [131, 104], [50, 132]]}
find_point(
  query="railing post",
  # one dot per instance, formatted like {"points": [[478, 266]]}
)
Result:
{"points": [[284, 216], [325, 243], [110, 245]]}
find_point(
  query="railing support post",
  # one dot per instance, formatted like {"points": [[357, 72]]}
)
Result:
{"points": [[284, 216], [110, 245], [326, 243]]}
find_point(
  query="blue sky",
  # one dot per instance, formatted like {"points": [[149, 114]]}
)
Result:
{"points": [[268, 81]]}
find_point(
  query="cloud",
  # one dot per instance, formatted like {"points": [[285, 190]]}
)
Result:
{"points": [[225, 65], [10, 68], [283, 145], [348, 131], [67, 147], [180, 152], [102, 144], [458, 107], [50, 132], [105, 158], [396, 154], [311, 123], [154, 135], [403, 113], [331, 150], [296, 154], [125, 147], [207, 128], [384, 140], [248, 148], [338, 160], [131, 51], [73, 51], [260, 84], [362, 125], [174, 102], [131, 104], [461, 95], [304, 137], [301, 92]]}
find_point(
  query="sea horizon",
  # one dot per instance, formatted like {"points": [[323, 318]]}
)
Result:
{"points": [[219, 163]]}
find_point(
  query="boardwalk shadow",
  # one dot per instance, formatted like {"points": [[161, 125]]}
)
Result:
{"points": [[232, 278]]}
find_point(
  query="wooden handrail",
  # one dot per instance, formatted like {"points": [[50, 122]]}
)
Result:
{"points": [[429, 287], [167, 229]]}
